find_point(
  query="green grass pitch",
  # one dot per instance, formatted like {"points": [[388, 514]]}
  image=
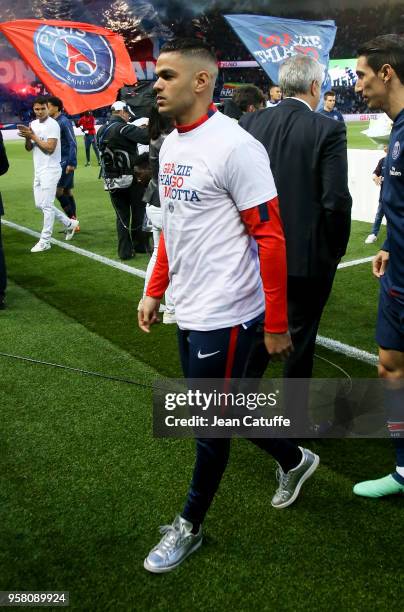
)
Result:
{"points": [[84, 485], [357, 140]]}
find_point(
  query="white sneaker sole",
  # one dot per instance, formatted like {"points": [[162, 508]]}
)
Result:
{"points": [[303, 479], [41, 250], [163, 570]]}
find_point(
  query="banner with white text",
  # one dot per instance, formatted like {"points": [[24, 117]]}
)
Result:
{"points": [[271, 40]]}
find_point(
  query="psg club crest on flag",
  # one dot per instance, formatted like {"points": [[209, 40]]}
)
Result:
{"points": [[83, 64], [83, 60]]}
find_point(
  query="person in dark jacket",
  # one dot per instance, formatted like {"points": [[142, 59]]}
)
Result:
{"points": [[308, 156], [380, 71], [329, 109], [68, 157], [3, 273], [118, 142]]}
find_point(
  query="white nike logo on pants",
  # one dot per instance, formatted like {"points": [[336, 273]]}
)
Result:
{"points": [[201, 356]]}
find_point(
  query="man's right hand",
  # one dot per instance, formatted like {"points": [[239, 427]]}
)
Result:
{"points": [[379, 263], [25, 132], [279, 346], [148, 313]]}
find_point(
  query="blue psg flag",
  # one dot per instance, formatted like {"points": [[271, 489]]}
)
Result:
{"points": [[271, 40]]}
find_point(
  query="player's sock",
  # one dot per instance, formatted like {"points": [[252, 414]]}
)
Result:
{"points": [[399, 447], [72, 204], [65, 204], [400, 472]]}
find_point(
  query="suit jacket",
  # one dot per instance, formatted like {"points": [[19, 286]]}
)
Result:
{"points": [[3, 167], [308, 155]]}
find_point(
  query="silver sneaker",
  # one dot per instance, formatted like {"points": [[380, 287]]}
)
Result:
{"points": [[291, 482], [176, 545]]}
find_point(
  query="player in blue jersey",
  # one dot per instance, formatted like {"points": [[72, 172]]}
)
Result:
{"points": [[380, 71], [68, 157], [329, 109]]}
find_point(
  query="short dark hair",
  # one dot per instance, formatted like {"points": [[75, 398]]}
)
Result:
{"points": [[231, 109], [142, 160], [189, 46], [40, 100], [329, 93], [273, 85], [385, 49], [246, 95], [55, 102]]}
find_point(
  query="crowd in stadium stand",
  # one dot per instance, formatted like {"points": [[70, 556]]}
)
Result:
{"points": [[354, 25], [348, 102]]}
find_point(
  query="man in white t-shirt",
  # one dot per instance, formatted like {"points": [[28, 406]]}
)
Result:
{"points": [[274, 95], [43, 138], [218, 200]]}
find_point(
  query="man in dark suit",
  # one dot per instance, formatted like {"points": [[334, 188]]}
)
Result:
{"points": [[308, 155], [3, 275]]}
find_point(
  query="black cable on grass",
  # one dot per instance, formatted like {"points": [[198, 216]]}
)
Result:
{"points": [[79, 370], [128, 380], [338, 368]]}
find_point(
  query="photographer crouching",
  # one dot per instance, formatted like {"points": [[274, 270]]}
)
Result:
{"points": [[118, 142]]}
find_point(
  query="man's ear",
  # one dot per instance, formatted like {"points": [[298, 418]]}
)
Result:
{"points": [[315, 86], [386, 72], [202, 80]]}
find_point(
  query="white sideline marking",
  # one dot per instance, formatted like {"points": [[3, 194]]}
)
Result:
{"points": [[124, 267], [354, 262], [346, 349], [329, 343], [70, 247]]}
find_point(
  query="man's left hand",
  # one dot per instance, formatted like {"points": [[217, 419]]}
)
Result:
{"points": [[279, 346], [70, 169], [148, 313]]}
